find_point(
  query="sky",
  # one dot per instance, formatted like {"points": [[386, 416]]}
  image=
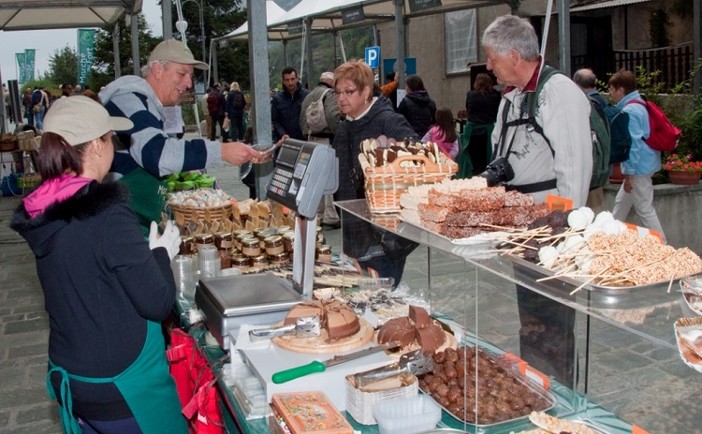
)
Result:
{"points": [[48, 42]]}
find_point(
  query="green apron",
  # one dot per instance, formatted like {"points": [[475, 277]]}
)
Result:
{"points": [[146, 386], [465, 165], [147, 197]]}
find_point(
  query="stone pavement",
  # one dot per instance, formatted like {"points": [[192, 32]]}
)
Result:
{"points": [[642, 382]]}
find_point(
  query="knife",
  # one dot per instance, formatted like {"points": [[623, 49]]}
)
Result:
{"points": [[317, 366]]}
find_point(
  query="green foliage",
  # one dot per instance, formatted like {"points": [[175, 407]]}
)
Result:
{"points": [[658, 28], [44, 82], [63, 66], [689, 118], [103, 70], [649, 84]]}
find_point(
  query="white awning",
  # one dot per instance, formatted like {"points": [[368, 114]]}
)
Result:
{"points": [[605, 4]]}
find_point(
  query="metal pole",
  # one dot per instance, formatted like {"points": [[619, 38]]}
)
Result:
{"points": [[564, 37], [697, 43], [400, 29]]}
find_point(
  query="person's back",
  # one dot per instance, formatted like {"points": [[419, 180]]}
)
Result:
{"points": [[636, 190], [482, 104], [417, 107]]}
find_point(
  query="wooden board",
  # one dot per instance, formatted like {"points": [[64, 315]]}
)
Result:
{"points": [[319, 344]]}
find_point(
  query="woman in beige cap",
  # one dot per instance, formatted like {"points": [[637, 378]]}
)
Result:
{"points": [[106, 289]]}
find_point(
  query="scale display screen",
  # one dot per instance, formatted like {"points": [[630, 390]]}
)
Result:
{"points": [[303, 173]]}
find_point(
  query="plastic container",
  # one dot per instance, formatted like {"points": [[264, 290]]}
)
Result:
{"points": [[407, 415]]}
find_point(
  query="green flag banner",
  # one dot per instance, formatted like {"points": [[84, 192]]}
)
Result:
{"points": [[29, 57], [20, 68], [86, 51]]}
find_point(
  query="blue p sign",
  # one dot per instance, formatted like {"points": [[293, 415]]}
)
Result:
{"points": [[373, 56]]}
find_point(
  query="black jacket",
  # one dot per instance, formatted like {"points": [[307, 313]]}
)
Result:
{"points": [[101, 283], [381, 119], [285, 113], [419, 110]]}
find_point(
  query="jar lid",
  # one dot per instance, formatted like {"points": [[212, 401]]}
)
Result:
{"points": [[324, 248], [260, 259], [273, 239], [250, 241]]}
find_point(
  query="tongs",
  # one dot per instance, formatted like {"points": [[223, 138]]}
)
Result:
{"points": [[413, 362], [304, 327]]}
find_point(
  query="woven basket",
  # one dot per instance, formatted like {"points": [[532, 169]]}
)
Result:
{"points": [[8, 142], [359, 404], [183, 214], [384, 185]]}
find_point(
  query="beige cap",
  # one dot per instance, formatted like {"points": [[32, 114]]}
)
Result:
{"points": [[173, 50], [79, 119], [326, 76]]}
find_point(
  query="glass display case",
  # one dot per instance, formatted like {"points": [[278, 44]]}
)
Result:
{"points": [[607, 358]]}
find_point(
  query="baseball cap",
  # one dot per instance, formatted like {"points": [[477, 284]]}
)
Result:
{"points": [[173, 50], [79, 119]]}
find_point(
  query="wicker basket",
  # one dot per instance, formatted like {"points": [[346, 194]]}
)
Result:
{"points": [[8, 142], [384, 185], [184, 214], [359, 404]]}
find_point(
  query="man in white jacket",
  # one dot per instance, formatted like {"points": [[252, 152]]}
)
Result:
{"points": [[146, 153], [550, 154]]}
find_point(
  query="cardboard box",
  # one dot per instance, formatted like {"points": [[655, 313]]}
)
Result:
{"points": [[310, 413]]}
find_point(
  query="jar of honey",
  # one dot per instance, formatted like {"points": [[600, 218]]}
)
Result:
{"points": [[274, 245], [251, 247]]}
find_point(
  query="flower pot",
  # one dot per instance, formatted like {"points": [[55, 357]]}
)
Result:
{"points": [[616, 176], [684, 178]]}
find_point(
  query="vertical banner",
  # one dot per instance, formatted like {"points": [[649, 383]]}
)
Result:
{"points": [[86, 51], [29, 57], [20, 68]]}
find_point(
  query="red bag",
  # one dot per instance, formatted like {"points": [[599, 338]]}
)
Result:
{"points": [[664, 135], [195, 385]]}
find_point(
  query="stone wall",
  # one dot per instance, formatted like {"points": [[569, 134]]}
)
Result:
{"points": [[678, 208]]}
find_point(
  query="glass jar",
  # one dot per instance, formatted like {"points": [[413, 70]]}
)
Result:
{"points": [[259, 261], [240, 262], [279, 259], [289, 241], [240, 235], [251, 247], [186, 246], [324, 253], [274, 245], [224, 240], [204, 240]]}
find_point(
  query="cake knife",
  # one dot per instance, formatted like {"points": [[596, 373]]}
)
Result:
{"points": [[317, 366]]}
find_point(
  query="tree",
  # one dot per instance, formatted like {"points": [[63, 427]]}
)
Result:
{"points": [[103, 70], [63, 66]]}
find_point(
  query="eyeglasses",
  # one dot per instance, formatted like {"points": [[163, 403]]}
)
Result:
{"points": [[347, 92]]}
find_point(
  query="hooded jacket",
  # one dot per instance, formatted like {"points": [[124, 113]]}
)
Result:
{"points": [[419, 110], [101, 284], [379, 120], [643, 160]]}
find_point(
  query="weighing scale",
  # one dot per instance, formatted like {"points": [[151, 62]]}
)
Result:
{"points": [[303, 173]]}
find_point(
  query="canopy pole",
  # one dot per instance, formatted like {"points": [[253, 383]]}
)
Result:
{"points": [[135, 44], [400, 29], [115, 51], [341, 47], [308, 49], [564, 37]]}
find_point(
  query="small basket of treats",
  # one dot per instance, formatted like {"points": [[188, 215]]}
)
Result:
{"points": [[391, 167]]}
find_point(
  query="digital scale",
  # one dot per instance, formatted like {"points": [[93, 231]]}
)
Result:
{"points": [[304, 172]]}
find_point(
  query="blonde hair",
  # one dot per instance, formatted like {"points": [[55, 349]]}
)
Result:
{"points": [[234, 86]]}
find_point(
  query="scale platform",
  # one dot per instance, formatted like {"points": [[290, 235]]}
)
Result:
{"points": [[228, 302]]}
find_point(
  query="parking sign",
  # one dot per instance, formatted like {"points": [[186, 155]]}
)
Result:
{"points": [[373, 56]]}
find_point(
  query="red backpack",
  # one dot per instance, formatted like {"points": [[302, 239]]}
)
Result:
{"points": [[664, 135]]}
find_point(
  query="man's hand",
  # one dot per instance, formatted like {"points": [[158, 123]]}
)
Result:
{"points": [[238, 153], [627, 184]]}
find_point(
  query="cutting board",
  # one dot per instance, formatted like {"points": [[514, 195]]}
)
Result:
{"points": [[319, 344]]}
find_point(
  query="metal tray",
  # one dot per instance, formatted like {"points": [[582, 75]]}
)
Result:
{"points": [[543, 393]]}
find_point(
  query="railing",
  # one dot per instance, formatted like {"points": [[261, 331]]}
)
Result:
{"points": [[674, 62]]}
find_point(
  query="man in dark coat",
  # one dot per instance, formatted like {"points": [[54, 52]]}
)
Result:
{"points": [[287, 105]]}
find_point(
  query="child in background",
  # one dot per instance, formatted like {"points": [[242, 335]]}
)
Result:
{"points": [[443, 133]]}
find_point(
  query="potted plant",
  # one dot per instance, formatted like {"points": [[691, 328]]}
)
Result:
{"points": [[682, 169]]}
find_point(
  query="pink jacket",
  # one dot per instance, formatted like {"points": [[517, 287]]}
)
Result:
{"points": [[437, 136]]}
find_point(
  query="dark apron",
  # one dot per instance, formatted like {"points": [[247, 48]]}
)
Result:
{"points": [[147, 197], [146, 385]]}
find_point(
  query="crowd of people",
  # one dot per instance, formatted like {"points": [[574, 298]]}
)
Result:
{"points": [[70, 220]]}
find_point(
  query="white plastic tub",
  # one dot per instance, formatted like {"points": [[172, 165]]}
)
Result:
{"points": [[407, 415]]}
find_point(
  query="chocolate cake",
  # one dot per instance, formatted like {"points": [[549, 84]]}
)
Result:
{"points": [[398, 330], [337, 318], [417, 328]]}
